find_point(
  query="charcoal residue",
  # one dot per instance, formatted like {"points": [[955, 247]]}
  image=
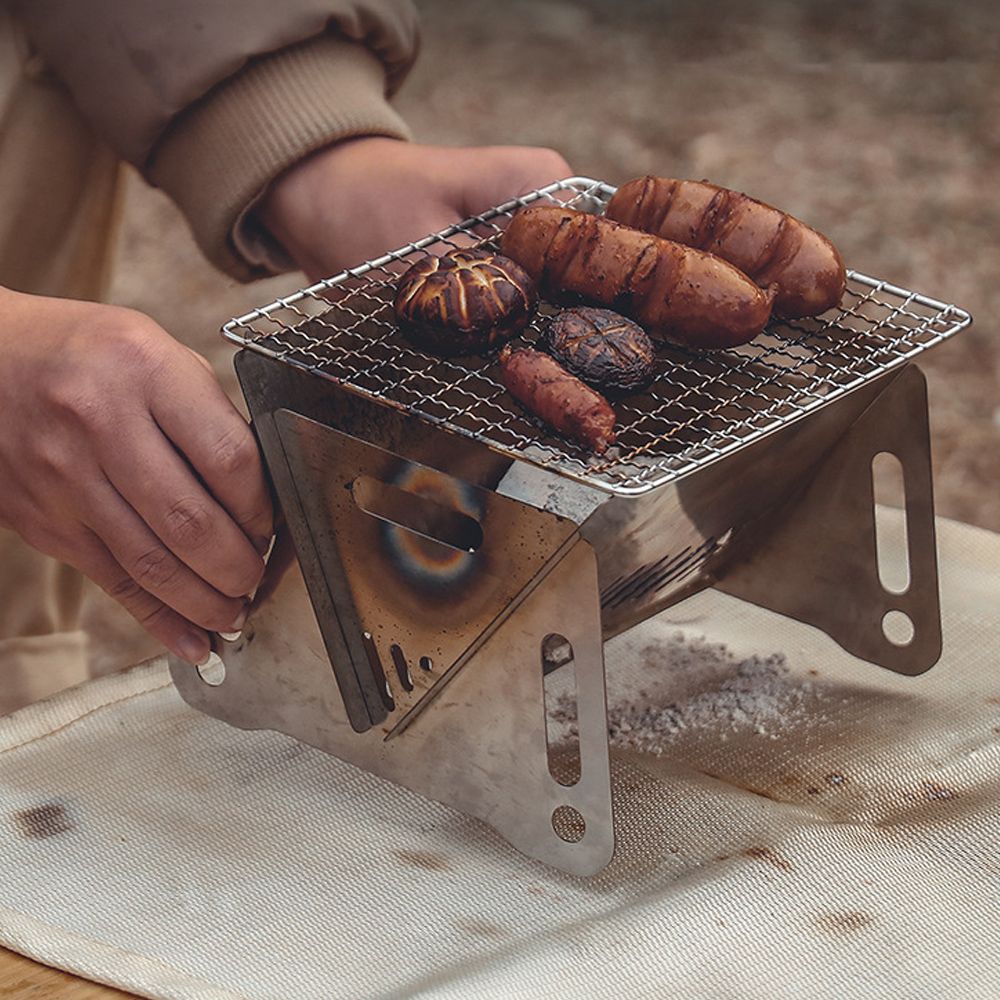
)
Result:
{"points": [[695, 687]]}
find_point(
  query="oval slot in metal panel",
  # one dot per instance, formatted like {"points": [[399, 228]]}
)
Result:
{"points": [[402, 667], [562, 733], [417, 513], [891, 542], [375, 662]]}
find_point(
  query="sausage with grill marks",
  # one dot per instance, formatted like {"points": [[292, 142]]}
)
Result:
{"points": [[772, 247], [540, 384], [675, 292]]}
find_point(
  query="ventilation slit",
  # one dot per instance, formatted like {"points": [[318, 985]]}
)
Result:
{"points": [[402, 668], [562, 735], [375, 662], [891, 543]]}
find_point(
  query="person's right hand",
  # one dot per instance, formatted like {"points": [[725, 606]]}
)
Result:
{"points": [[121, 455]]}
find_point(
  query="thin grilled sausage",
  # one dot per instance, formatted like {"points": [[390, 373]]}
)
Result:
{"points": [[769, 245], [540, 384], [675, 292]]}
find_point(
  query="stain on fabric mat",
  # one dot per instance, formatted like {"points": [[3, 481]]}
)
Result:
{"points": [[933, 792], [844, 922], [481, 928], [769, 856], [42, 821], [427, 860]]}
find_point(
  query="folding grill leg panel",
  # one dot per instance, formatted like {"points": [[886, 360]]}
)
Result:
{"points": [[470, 729], [820, 565]]}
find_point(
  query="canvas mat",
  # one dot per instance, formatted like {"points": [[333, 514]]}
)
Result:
{"points": [[792, 823]]}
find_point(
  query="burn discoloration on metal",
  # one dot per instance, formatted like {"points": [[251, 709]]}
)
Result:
{"points": [[48, 819], [423, 562], [427, 860]]}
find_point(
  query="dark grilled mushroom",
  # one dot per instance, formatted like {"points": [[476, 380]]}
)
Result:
{"points": [[601, 348], [464, 302]]}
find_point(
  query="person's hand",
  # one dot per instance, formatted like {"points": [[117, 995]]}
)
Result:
{"points": [[359, 198], [121, 455]]}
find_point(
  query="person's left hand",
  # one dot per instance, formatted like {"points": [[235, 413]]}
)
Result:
{"points": [[361, 197]]}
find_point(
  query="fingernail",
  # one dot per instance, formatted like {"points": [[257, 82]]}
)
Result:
{"points": [[240, 620], [194, 649], [261, 544]]}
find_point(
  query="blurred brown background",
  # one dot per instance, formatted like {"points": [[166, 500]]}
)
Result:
{"points": [[878, 123]]}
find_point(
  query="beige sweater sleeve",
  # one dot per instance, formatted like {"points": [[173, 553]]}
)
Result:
{"points": [[212, 99], [220, 155]]}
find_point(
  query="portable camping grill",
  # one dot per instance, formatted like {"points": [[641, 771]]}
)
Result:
{"points": [[451, 551]]}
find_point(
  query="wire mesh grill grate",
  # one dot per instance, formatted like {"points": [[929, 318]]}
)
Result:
{"points": [[702, 406]]}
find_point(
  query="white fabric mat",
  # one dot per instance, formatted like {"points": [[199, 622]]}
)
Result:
{"points": [[792, 823]]}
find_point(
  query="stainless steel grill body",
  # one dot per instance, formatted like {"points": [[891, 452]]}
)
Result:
{"points": [[448, 545]]}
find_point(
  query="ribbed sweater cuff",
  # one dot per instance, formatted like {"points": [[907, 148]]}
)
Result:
{"points": [[222, 153]]}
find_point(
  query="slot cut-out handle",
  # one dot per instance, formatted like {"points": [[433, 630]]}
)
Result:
{"points": [[416, 513]]}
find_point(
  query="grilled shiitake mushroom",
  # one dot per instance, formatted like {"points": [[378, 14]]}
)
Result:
{"points": [[602, 348], [464, 302]]}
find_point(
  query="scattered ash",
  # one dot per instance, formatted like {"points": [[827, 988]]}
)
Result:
{"points": [[682, 687]]}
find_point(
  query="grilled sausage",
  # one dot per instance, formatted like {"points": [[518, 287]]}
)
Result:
{"points": [[543, 386], [673, 291], [770, 246], [464, 302], [603, 349]]}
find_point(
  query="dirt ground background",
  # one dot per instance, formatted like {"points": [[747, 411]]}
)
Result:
{"points": [[878, 123]]}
